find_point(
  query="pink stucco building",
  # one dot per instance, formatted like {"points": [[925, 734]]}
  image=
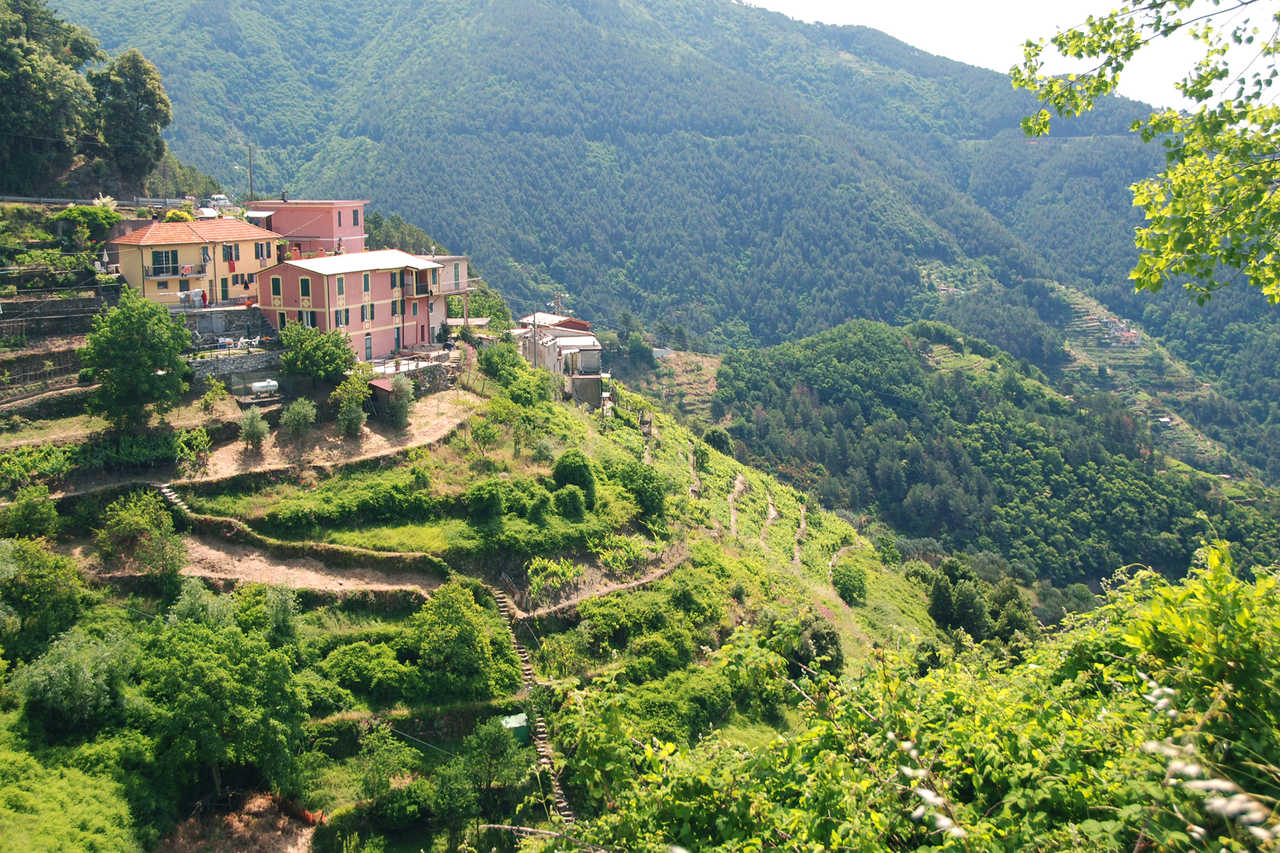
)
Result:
{"points": [[386, 301], [313, 226]]}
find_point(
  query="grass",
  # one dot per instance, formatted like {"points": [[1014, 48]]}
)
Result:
{"points": [[433, 537]]}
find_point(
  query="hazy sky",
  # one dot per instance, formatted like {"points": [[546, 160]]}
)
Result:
{"points": [[990, 33]]}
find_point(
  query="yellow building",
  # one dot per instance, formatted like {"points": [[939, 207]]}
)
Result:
{"points": [[220, 257]]}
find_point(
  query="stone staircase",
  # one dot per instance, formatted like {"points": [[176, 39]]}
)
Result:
{"points": [[166, 491], [541, 739]]}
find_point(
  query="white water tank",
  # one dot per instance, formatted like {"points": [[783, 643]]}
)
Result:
{"points": [[265, 386]]}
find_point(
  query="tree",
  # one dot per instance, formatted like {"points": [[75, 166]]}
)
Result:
{"points": [[493, 758], [134, 109], [383, 756], [178, 215], [40, 597], [350, 397], [850, 581], [225, 698], [297, 418], [401, 401], [573, 468], [137, 535], [326, 356], [253, 429], [453, 646], [135, 353], [46, 106], [1212, 213], [30, 514], [78, 684]]}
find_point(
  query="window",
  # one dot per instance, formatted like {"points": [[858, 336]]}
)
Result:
{"points": [[342, 285], [236, 279], [355, 217], [339, 218], [366, 282], [368, 347], [226, 252], [364, 315], [346, 316], [311, 319], [164, 262], [280, 317], [250, 279], [393, 308], [431, 307], [237, 251], [435, 276], [304, 287], [275, 285], [257, 250], [456, 273], [337, 317], [266, 250], [415, 309], [204, 254], [184, 286], [371, 307], [163, 285], [401, 305]]}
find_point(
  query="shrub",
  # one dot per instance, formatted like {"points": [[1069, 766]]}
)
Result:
{"points": [[502, 362], [459, 652], [85, 376], [850, 581], [484, 501], [215, 391], [31, 514], [401, 402], [297, 418], [718, 439], [40, 597], [321, 695], [137, 534], [350, 397], [570, 503], [371, 669], [253, 429], [645, 485], [548, 577], [77, 685], [351, 419], [543, 452], [573, 468], [701, 455]]}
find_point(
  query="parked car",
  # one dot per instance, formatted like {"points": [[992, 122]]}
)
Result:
{"points": [[219, 200]]}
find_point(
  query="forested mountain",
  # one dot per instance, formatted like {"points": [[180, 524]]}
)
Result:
{"points": [[706, 162], [941, 435], [712, 166]]}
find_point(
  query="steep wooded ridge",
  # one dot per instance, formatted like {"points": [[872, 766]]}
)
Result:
{"points": [[713, 167]]}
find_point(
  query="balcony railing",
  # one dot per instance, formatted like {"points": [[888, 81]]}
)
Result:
{"points": [[173, 270]]}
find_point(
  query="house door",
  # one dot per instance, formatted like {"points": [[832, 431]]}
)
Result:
{"points": [[226, 294], [368, 347], [397, 339]]}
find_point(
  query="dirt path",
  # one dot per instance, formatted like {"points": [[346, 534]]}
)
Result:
{"points": [[674, 556], [835, 558], [211, 558], [739, 486], [770, 515], [433, 418], [800, 531]]}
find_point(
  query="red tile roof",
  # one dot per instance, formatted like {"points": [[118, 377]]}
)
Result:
{"points": [[202, 231]]}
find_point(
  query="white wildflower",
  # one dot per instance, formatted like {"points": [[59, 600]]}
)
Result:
{"points": [[1261, 833], [1185, 769], [1213, 786], [929, 797], [911, 772], [918, 813]]}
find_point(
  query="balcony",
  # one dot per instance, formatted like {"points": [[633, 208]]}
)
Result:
{"points": [[173, 271]]}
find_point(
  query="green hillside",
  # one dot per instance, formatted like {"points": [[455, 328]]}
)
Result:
{"points": [[945, 439]]}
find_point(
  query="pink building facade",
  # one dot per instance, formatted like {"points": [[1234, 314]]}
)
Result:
{"points": [[386, 301], [313, 227]]}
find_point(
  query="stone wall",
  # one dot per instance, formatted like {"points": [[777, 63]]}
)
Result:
{"points": [[237, 363]]}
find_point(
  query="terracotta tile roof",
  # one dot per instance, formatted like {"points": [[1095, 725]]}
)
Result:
{"points": [[202, 231]]}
